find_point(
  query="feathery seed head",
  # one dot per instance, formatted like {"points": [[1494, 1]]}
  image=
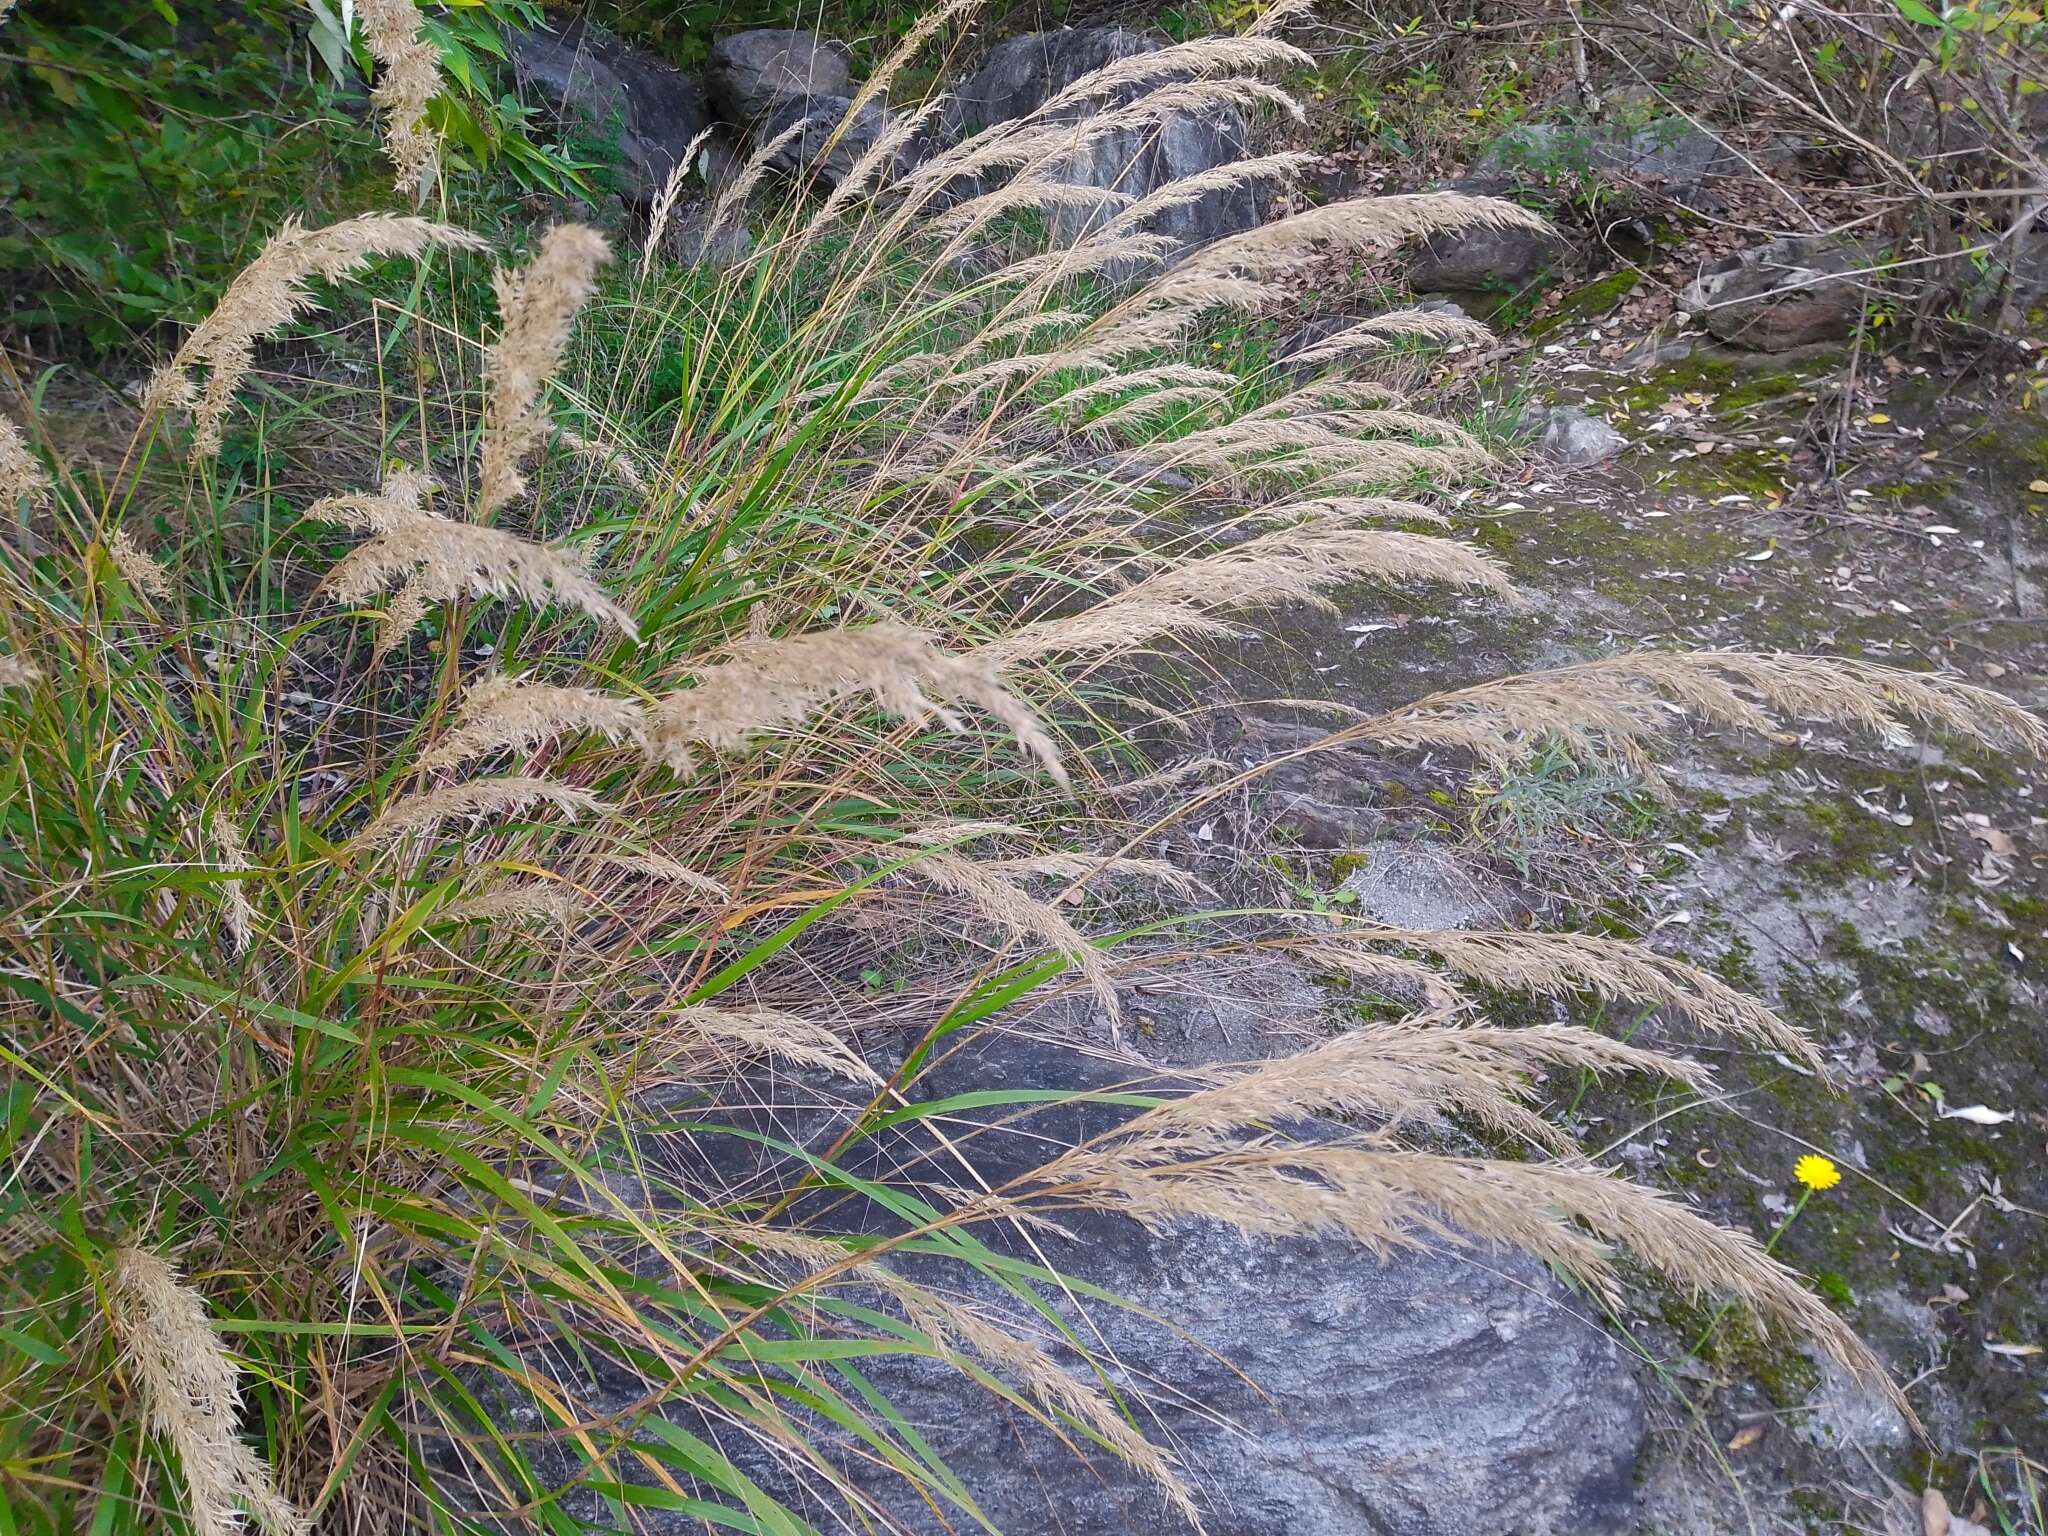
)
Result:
{"points": [[503, 714], [782, 1036], [190, 1391], [1296, 565], [1017, 912], [22, 476], [1282, 167], [606, 458], [669, 871], [663, 207], [421, 814], [1612, 708], [1183, 397], [1615, 969], [1349, 509], [231, 854], [1360, 224], [401, 500], [433, 559], [555, 903], [949, 1324], [1383, 330], [1198, 57], [140, 569], [1280, 15], [1164, 376], [537, 305], [1328, 395], [408, 75], [770, 685], [1419, 1067], [270, 292]]}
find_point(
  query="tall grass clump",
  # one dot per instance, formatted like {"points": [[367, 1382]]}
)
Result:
{"points": [[425, 819]]}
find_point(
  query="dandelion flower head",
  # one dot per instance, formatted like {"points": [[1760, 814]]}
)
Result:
{"points": [[1816, 1172]]}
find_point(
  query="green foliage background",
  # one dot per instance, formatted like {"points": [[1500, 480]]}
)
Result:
{"points": [[154, 144]]}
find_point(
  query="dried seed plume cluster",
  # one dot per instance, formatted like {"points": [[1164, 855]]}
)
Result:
{"points": [[408, 75], [420, 814], [771, 685], [537, 306], [433, 559], [1614, 708], [138, 567], [269, 293], [508, 714], [22, 477], [192, 1393]]}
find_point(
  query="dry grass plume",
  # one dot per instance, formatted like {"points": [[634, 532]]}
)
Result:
{"points": [[423, 814], [23, 480], [771, 685], [191, 1392], [432, 559], [537, 306], [408, 75], [509, 714], [271, 292]]}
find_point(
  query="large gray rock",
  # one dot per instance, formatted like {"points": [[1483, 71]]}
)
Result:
{"points": [[1787, 293], [615, 93], [1570, 437], [1308, 1388], [820, 143], [1482, 260], [1667, 155], [1022, 74], [751, 73]]}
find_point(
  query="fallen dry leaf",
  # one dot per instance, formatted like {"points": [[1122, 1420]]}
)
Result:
{"points": [[1995, 840], [1979, 1114], [1934, 1516], [1746, 1436]]}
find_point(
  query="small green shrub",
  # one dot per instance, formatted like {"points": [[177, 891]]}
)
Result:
{"points": [[1553, 795], [149, 154]]}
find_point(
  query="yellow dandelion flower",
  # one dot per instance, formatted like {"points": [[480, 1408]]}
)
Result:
{"points": [[1816, 1172]]}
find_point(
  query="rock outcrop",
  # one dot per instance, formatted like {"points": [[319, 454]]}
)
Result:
{"points": [[1022, 74], [752, 73], [1481, 259], [1787, 293], [1308, 1388], [1568, 436], [613, 93], [824, 140]]}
